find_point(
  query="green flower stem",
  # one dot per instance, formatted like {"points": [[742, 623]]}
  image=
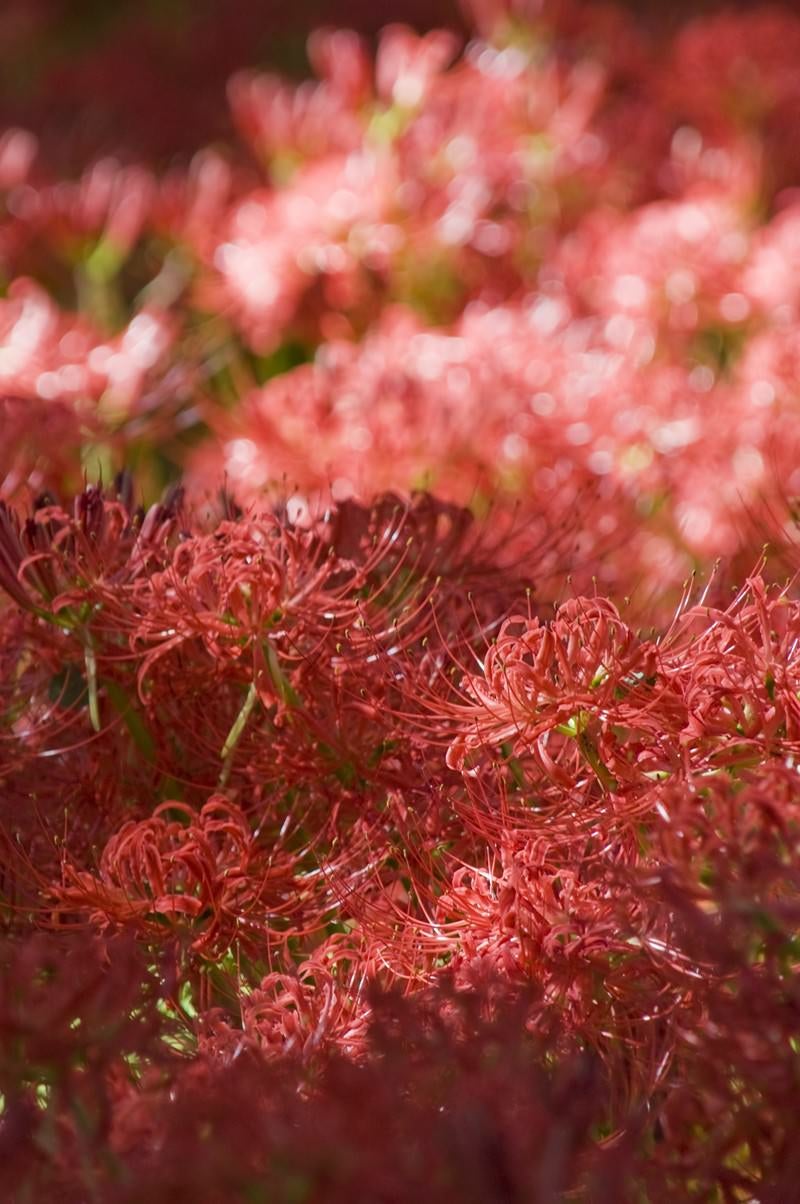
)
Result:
{"points": [[90, 661], [576, 730], [235, 734]]}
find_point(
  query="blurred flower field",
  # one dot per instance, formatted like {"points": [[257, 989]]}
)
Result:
{"points": [[400, 621]]}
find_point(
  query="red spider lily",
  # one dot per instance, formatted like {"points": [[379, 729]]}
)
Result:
{"points": [[738, 677], [59, 557], [578, 690], [321, 1005], [312, 622], [202, 874]]}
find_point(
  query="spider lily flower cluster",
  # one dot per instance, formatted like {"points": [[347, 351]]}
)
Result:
{"points": [[293, 763], [414, 748]]}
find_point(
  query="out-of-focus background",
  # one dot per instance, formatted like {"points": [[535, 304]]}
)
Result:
{"points": [[148, 77], [536, 254]]}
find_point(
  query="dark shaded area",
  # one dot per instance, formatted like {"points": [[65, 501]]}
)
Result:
{"points": [[148, 79]]}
